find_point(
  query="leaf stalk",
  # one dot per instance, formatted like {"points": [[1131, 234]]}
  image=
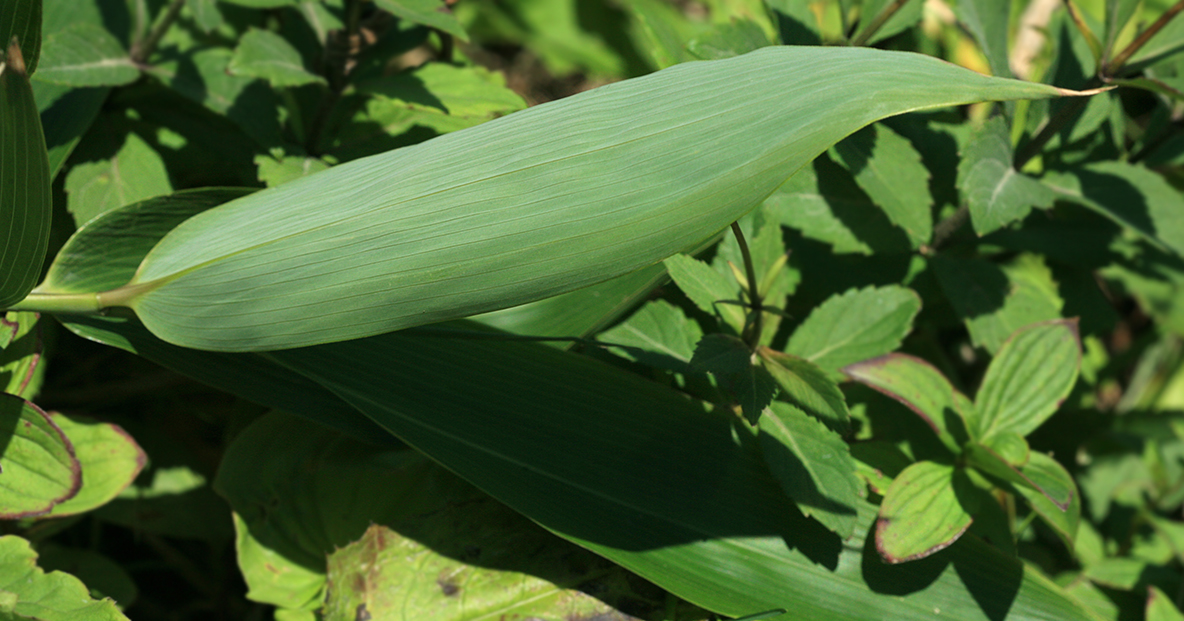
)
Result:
{"points": [[752, 332], [141, 50]]}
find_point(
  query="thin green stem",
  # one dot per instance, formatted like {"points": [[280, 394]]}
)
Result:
{"points": [[143, 49], [69, 303], [877, 22], [1115, 65], [752, 333]]}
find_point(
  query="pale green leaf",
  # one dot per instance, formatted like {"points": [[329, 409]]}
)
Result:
{"points": [[21, 368], [889, 169], [1012, 448], [1160, 606], [536, 203], [205, 14], [440, 96], [996, 193], [922, 513], [1054, 489], [433, 13], [109, 457], [923, 389], [1028, 378], [24, 184], [38, 462], [807, 386], [1117, 572], [988, 21], [727, 40], [775, 278], [813, 465], [268, 56], [996, 300], [135, 173], [85, 54], [663, 31], [1128, 194], [905, 18], [1118, 13], [714, 293], [27, 592], [658, 334], [22, 19], [856, 325]]}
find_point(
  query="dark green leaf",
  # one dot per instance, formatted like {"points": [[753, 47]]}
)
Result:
{"points": [[173, 502], [857, 325], [85, 54], [996, 300], [658, 334], [268, 56], [823, 201], [878, 463], [731, 361], [1128, 194], [988, 21], [1118, 13], [641, 475], [813, 466], [1028, 379], [109, 457], [663, 31], [135, 173], [24, 183], [797, 23], [205, 14], [889, 169], [920, 386], [995, 192], [471, 558], [921, 513], [37, 462], [711, 291], [66, 114], [808, 387], [433, 13], [30, 593], [262, 4], [22, 19]]}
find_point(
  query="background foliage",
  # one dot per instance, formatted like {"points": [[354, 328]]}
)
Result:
{"points": [[941, 371]]}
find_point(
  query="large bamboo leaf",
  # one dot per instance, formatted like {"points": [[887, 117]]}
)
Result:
{"points": [[530, 205], [24, 183], [637, 473]]}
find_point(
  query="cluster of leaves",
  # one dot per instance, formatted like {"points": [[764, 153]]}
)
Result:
{"points": [[782, 427]]}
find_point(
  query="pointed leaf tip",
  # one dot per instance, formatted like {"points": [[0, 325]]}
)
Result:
{"points": [[1089, 92]]}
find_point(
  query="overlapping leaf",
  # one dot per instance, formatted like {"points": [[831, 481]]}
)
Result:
{"points": [[922, 512], [85, 54], [923, 389], [587, 194], [996, 193], [38, 462], [24, 183], [857, 325], [266, 55], [889, 169], [109, 457], [30, 593]]}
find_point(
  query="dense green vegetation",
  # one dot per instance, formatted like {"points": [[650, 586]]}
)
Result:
{"points": [[592, 309]]}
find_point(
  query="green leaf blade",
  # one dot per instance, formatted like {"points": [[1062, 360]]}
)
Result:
{"points": [[110, 461], [24, 184], [432, 13], [54, 596], [923, 389], [86, 54], [813, 466], [711, 291], [1028, 379], [39, 466], [921, 513], [22, 19], [548, 222], [996, 193], [857, 325], [889, 169], [808, 387]]}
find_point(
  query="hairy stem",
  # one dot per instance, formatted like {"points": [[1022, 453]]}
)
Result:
{"points": [[141, 50], [752, 332]]}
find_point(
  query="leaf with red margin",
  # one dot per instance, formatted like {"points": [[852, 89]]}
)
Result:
{"points": [[920, 386], [1028, 379], [1059, 491], [37, 465], [110, 460], [1050, 476], [923, 511]]}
